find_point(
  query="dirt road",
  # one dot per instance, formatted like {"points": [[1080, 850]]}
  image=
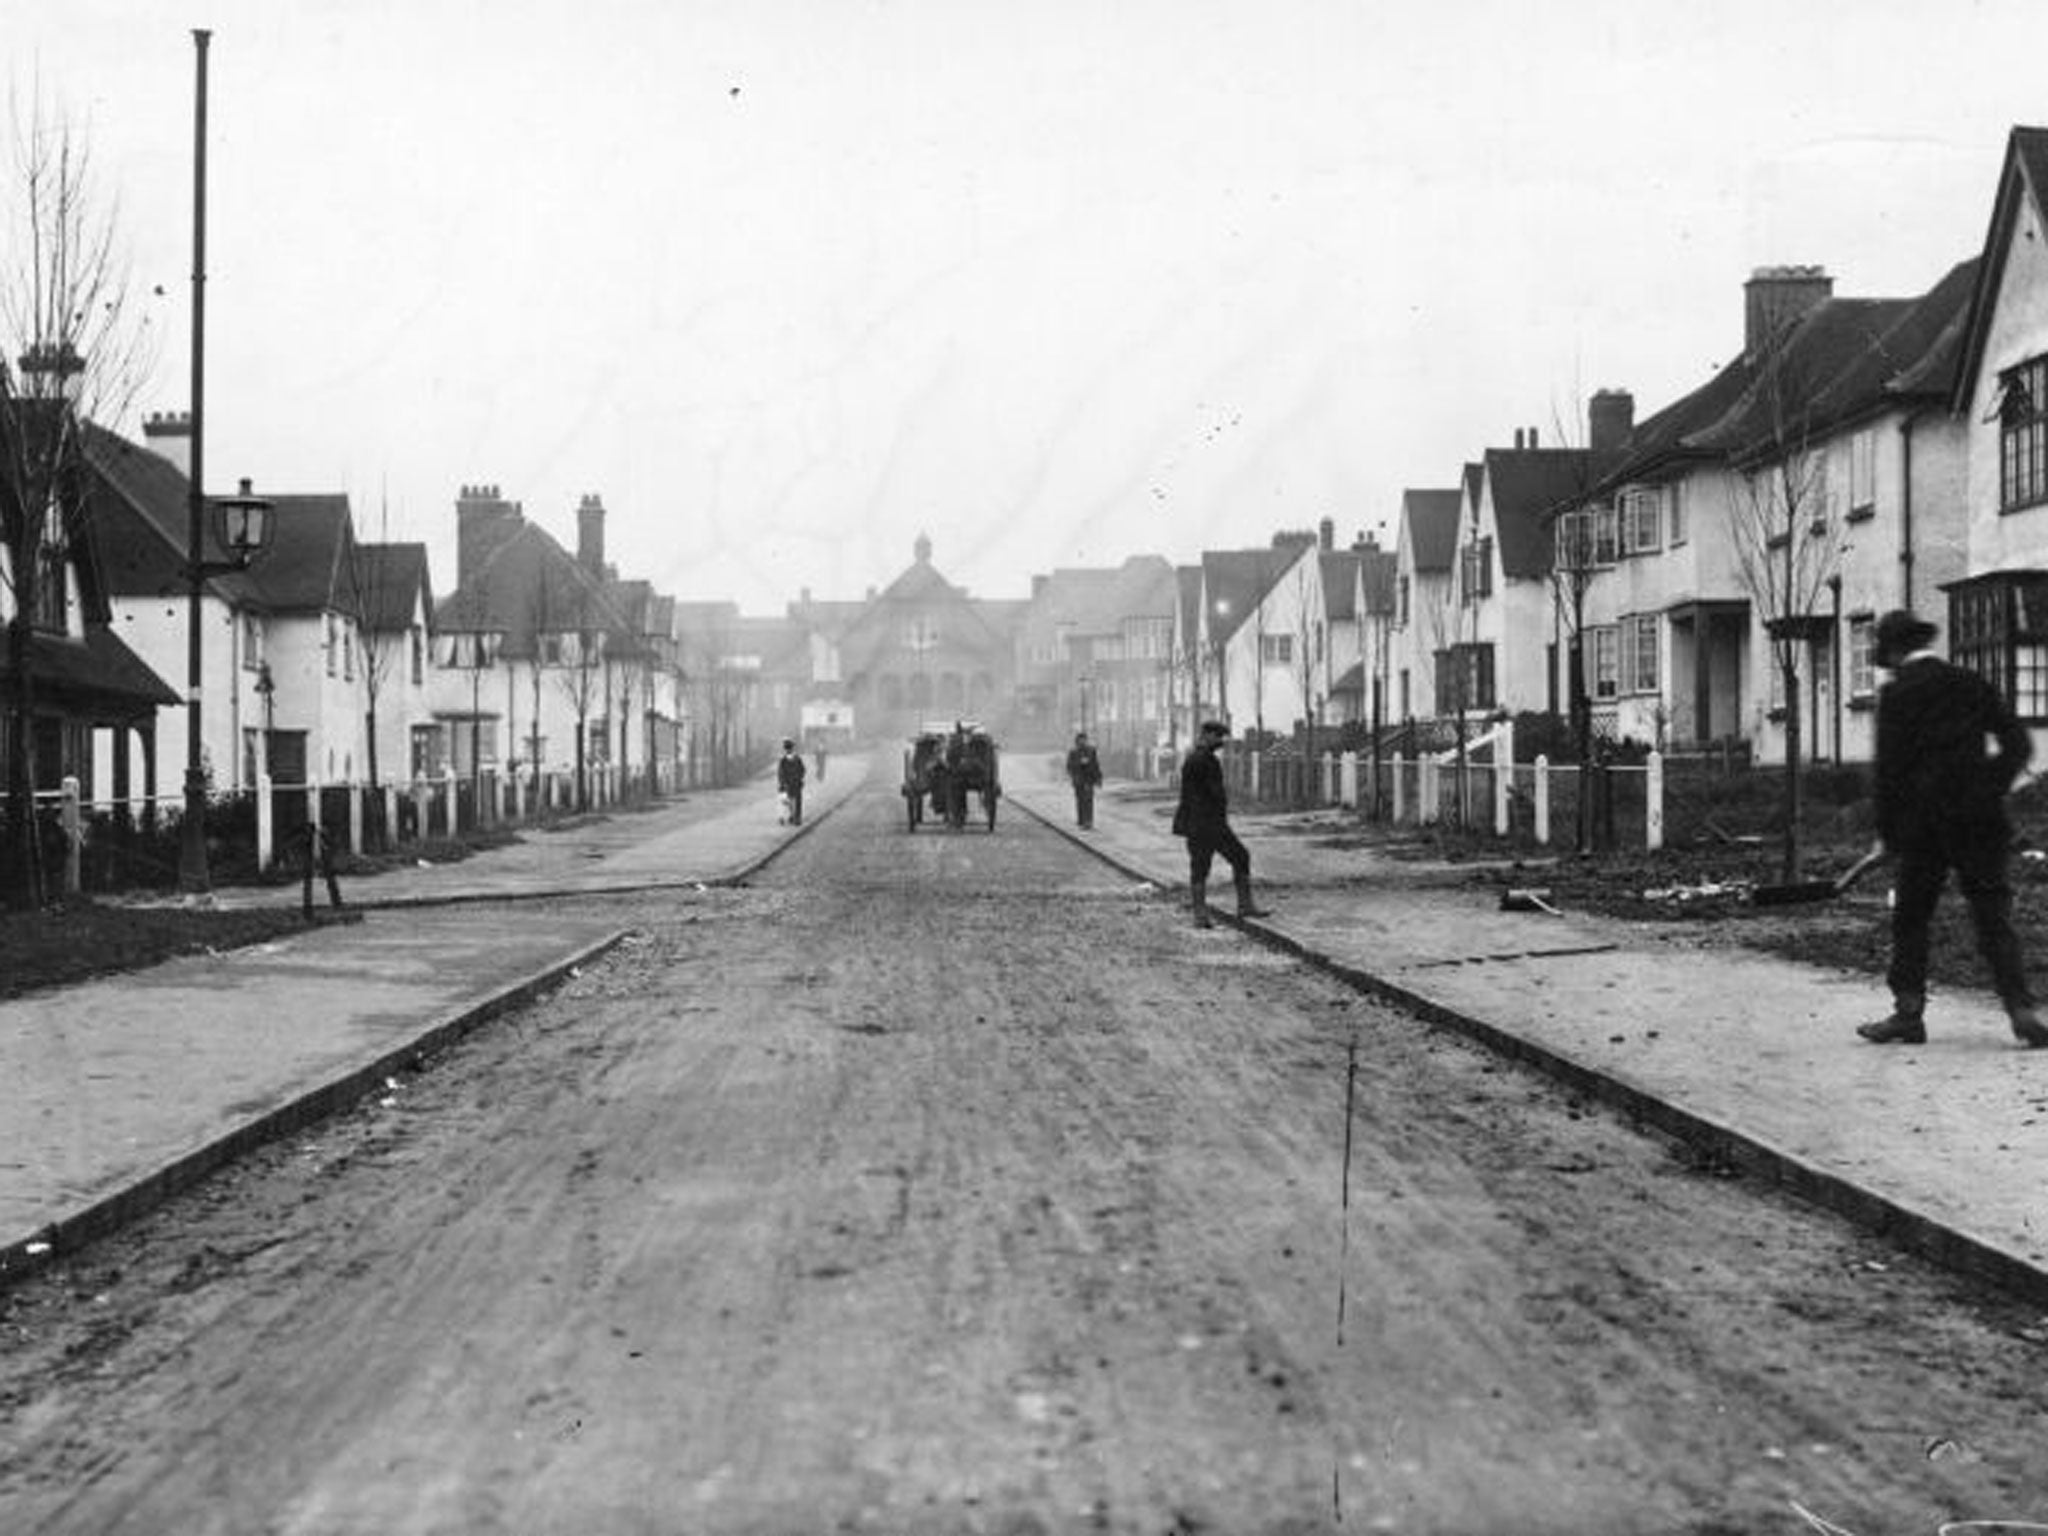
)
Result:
{"points": [[946, 1183]]}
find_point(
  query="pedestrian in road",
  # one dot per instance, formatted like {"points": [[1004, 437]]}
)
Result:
{"points": [[1941, 807], [320, 860], [1203, 818], [1084, 772], [789, 779]]}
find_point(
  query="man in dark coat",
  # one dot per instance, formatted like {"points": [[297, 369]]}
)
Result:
{"points": [[789, 779], [1084, 772], [1203, 818], [1941, 806]]}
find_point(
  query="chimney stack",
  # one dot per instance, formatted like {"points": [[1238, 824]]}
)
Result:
{"points": [[168, 434], [483, 521], [1777, 298], [590, 535], [1610, 417]]}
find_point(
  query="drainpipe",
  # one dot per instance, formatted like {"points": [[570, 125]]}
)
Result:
{"points": [[1835, 668], [1906, 509]]}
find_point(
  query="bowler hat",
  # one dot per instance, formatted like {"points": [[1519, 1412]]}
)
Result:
{"points": [[1900, 633]]}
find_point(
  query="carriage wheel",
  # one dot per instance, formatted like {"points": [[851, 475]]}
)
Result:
{"points": [[913, 806]]}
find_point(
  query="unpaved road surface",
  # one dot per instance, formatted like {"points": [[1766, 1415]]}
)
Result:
{"points": [[945, 1183]]}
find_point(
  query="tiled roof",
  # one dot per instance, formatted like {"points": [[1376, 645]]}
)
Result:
{"points": [[1432, 519], [1239, 579], [2024, 178], [137, 503], [393, 582], [1528, 484], [1340, 583]]}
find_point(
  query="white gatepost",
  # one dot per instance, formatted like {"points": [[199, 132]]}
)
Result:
{"points": [[422, 810], [1394, 789], [1428, 801], [448, 787], [1347, 775], [1653, 800], [518, 798], [1503, 776], [1253, 793], [74, 835], [390, 817], [312, 802], [266, 829], [355, 819], [1542, 799]]}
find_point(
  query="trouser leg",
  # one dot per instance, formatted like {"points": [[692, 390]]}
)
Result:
{"points": [[1981, 871], [1922, 870]]}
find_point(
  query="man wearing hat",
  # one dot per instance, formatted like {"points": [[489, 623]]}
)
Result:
{"points": [[1084, 772], [1941, 806], [1203, 818], [789, 779]]}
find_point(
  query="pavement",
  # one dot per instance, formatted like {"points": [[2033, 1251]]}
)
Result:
{"points": [[119, 1092]]}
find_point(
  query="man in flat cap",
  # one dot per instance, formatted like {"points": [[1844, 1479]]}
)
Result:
{"points": [[1941, 806], [1084, 772], [1203, 818], [789, 781]]}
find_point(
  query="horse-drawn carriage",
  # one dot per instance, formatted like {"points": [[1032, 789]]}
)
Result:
{"points": [[942, 768]]}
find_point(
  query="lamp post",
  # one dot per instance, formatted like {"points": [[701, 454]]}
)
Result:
{"points": [[242, 522]]}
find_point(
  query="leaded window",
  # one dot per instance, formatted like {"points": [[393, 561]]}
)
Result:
{"points": [[2023, 435]]}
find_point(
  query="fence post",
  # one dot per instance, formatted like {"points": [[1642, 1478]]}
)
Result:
{"points": [[266, 822], [1347, 776], [74, 834], [1394, 788], [449, 784], [1542, 799], [355, 818], [312, 802], [391, 838], [422, 810], [1653, 800]]}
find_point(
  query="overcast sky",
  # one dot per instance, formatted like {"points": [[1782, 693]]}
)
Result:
{"points": [[1056, 282]]}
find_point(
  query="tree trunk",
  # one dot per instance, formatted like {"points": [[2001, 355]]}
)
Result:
{"points": [[21, 882], [1789, 869]]}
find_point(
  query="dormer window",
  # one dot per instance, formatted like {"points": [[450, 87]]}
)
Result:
{"points": [[51, 599]]}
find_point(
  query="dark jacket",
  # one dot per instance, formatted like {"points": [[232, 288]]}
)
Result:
{"points": [[789, 773], [1204, 802], [1083, 766], [1933, 721]]}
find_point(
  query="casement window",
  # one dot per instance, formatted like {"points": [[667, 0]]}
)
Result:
{"points": [[348, 651], [1674, 495], [1998, 628], [1401, 604], [1606, 680], [50, 601], [419, 655], [1862, 656], [1641, 517], [332, 644], [1587, 539], [1406, 695], [1863, 473], [1642, 633], [1475, 570], [1276, 650], [2023, 435], [1475, 665]]}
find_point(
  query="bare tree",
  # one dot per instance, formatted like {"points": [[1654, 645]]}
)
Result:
{"points": [[579, 661], [1788, 539], [74, 350]]}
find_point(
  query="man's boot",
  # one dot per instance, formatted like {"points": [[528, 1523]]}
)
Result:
{"points": [[1904, 1027], [1246, 907], [2027, 1027], [1198, 898]]}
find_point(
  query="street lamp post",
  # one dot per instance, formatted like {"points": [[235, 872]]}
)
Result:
{"points": [[243, 522]]}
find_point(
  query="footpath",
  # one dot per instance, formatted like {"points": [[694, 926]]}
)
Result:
{"points": [[1750, 1059], [119, 1092]]}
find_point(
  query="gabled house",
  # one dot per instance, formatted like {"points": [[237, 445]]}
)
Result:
{"points": [[922, 649], [1262, 626], [92, 700], [1996, 621], [1425, 547]]}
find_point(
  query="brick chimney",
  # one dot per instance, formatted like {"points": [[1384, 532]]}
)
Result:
{"points": [[1776, 298], [590, 535], [1326, 532], [168, 434], [1610, 417], [483, 521]]}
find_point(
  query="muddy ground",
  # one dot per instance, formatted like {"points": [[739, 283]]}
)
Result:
{"points": [[944, 1183]]}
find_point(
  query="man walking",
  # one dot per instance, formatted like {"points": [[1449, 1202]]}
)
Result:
{"points": [[1941, 806], [1084, 772], [789, 779], [1204, 820]]}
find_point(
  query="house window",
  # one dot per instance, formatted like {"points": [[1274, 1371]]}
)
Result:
{"points": [[1675, 495], [419, 655], [1999, 630], [331, 645], [1606, 661], [1641, 520], [348, 651], [1407, 696], [1862, 656], [1643, 631], [1475, 570], [1863, 473], [1475, 671], [2023, 435], [551, 649], [48, 604], [1401, 604], [1276, 650], [252, 643], [1606, 536]]}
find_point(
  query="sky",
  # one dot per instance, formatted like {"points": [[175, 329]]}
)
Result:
{"points": [[1055, 283]]}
